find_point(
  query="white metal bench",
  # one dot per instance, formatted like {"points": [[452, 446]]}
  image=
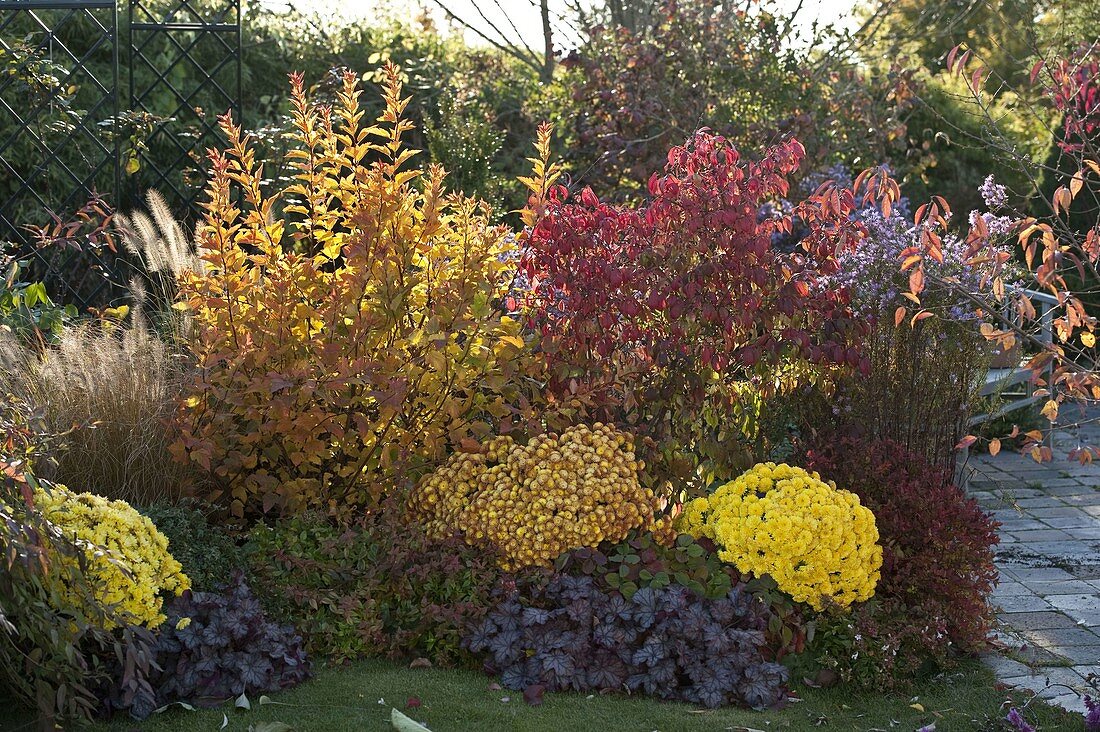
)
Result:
{"points": [[1015, 383]]}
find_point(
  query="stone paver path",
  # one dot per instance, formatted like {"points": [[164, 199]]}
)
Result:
{"points": [[1049, 559]]}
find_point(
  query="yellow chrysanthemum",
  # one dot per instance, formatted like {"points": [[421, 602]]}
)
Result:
{"points": [[818, 543], [128, 563], [533, 502]]}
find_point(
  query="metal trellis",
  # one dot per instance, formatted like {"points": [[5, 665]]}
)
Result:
{"points": [[184, 68], [59, 98]]}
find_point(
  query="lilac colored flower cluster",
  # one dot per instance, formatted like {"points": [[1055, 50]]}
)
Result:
{"points": [[872, 272], [998, 226], [1092, 714], [994, 194], [1017, 721]]}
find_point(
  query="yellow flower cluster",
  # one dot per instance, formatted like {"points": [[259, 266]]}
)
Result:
{"points": [[817, 542], [128, 564], [533, 502]]}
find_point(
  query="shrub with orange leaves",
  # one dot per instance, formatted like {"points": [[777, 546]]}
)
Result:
{"points": [[347, 326]]}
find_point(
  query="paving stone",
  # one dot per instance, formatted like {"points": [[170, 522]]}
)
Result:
{"points": [[1086, 618], [1080, 521], [1081, 654], [1082, 499], [1023, 492], [1073, 703], [1050, 545], [1006, 667], [1083, 601], [1059, 587], [1086, 672], [1058, 480], [1039, 574], [1045, 512], [1068, 489], [1010, 588], [1029, 505], [1077, 551], [1049, 683], [1017, 525], [1037, 656], [1043, 620], [1060, 639], [1040, 535], [1061, 680], [1021, 604]]}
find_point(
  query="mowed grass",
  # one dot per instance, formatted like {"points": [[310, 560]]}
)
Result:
{"points": [[359, 697]]}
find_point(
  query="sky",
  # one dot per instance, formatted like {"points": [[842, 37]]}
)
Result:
{"points": [[524, 15]]}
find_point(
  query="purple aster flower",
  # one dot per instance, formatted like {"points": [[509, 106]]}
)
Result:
{"points": [[1017, 721], [1092, 714], [993, 193]]}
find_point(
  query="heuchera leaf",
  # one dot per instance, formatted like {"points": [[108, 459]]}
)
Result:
{"points": [[228, 648], [668, 642]]}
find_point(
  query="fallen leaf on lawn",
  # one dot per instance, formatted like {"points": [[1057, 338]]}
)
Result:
{"points": [[505, 699], [242, 702], [225, 721], [494, 686], [533, 694], [420, 663], [413, 702], [265, 699], [401, 723], [918, 707]]}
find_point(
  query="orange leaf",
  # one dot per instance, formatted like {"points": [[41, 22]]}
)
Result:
{"points": [[966, 442]]}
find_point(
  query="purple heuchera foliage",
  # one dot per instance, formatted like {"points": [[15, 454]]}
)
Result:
{"points": [[666, 642], [227, 648]]}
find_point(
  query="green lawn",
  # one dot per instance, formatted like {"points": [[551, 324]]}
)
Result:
{"points": [[359, 698]]}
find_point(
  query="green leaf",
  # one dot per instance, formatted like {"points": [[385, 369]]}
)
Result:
{"points": [[401, 723]]}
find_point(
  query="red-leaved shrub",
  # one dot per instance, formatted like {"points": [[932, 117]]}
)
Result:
{"points": [[672, 319], [937, 569]]}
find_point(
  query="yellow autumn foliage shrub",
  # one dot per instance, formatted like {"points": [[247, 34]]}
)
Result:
{"points": [[128, 566], [347, 326], [536, 501], [817, 542]]}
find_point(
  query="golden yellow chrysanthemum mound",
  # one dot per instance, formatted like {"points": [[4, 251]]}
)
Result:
{"points": [[533, 502], [128, 563], [817, 542]]}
